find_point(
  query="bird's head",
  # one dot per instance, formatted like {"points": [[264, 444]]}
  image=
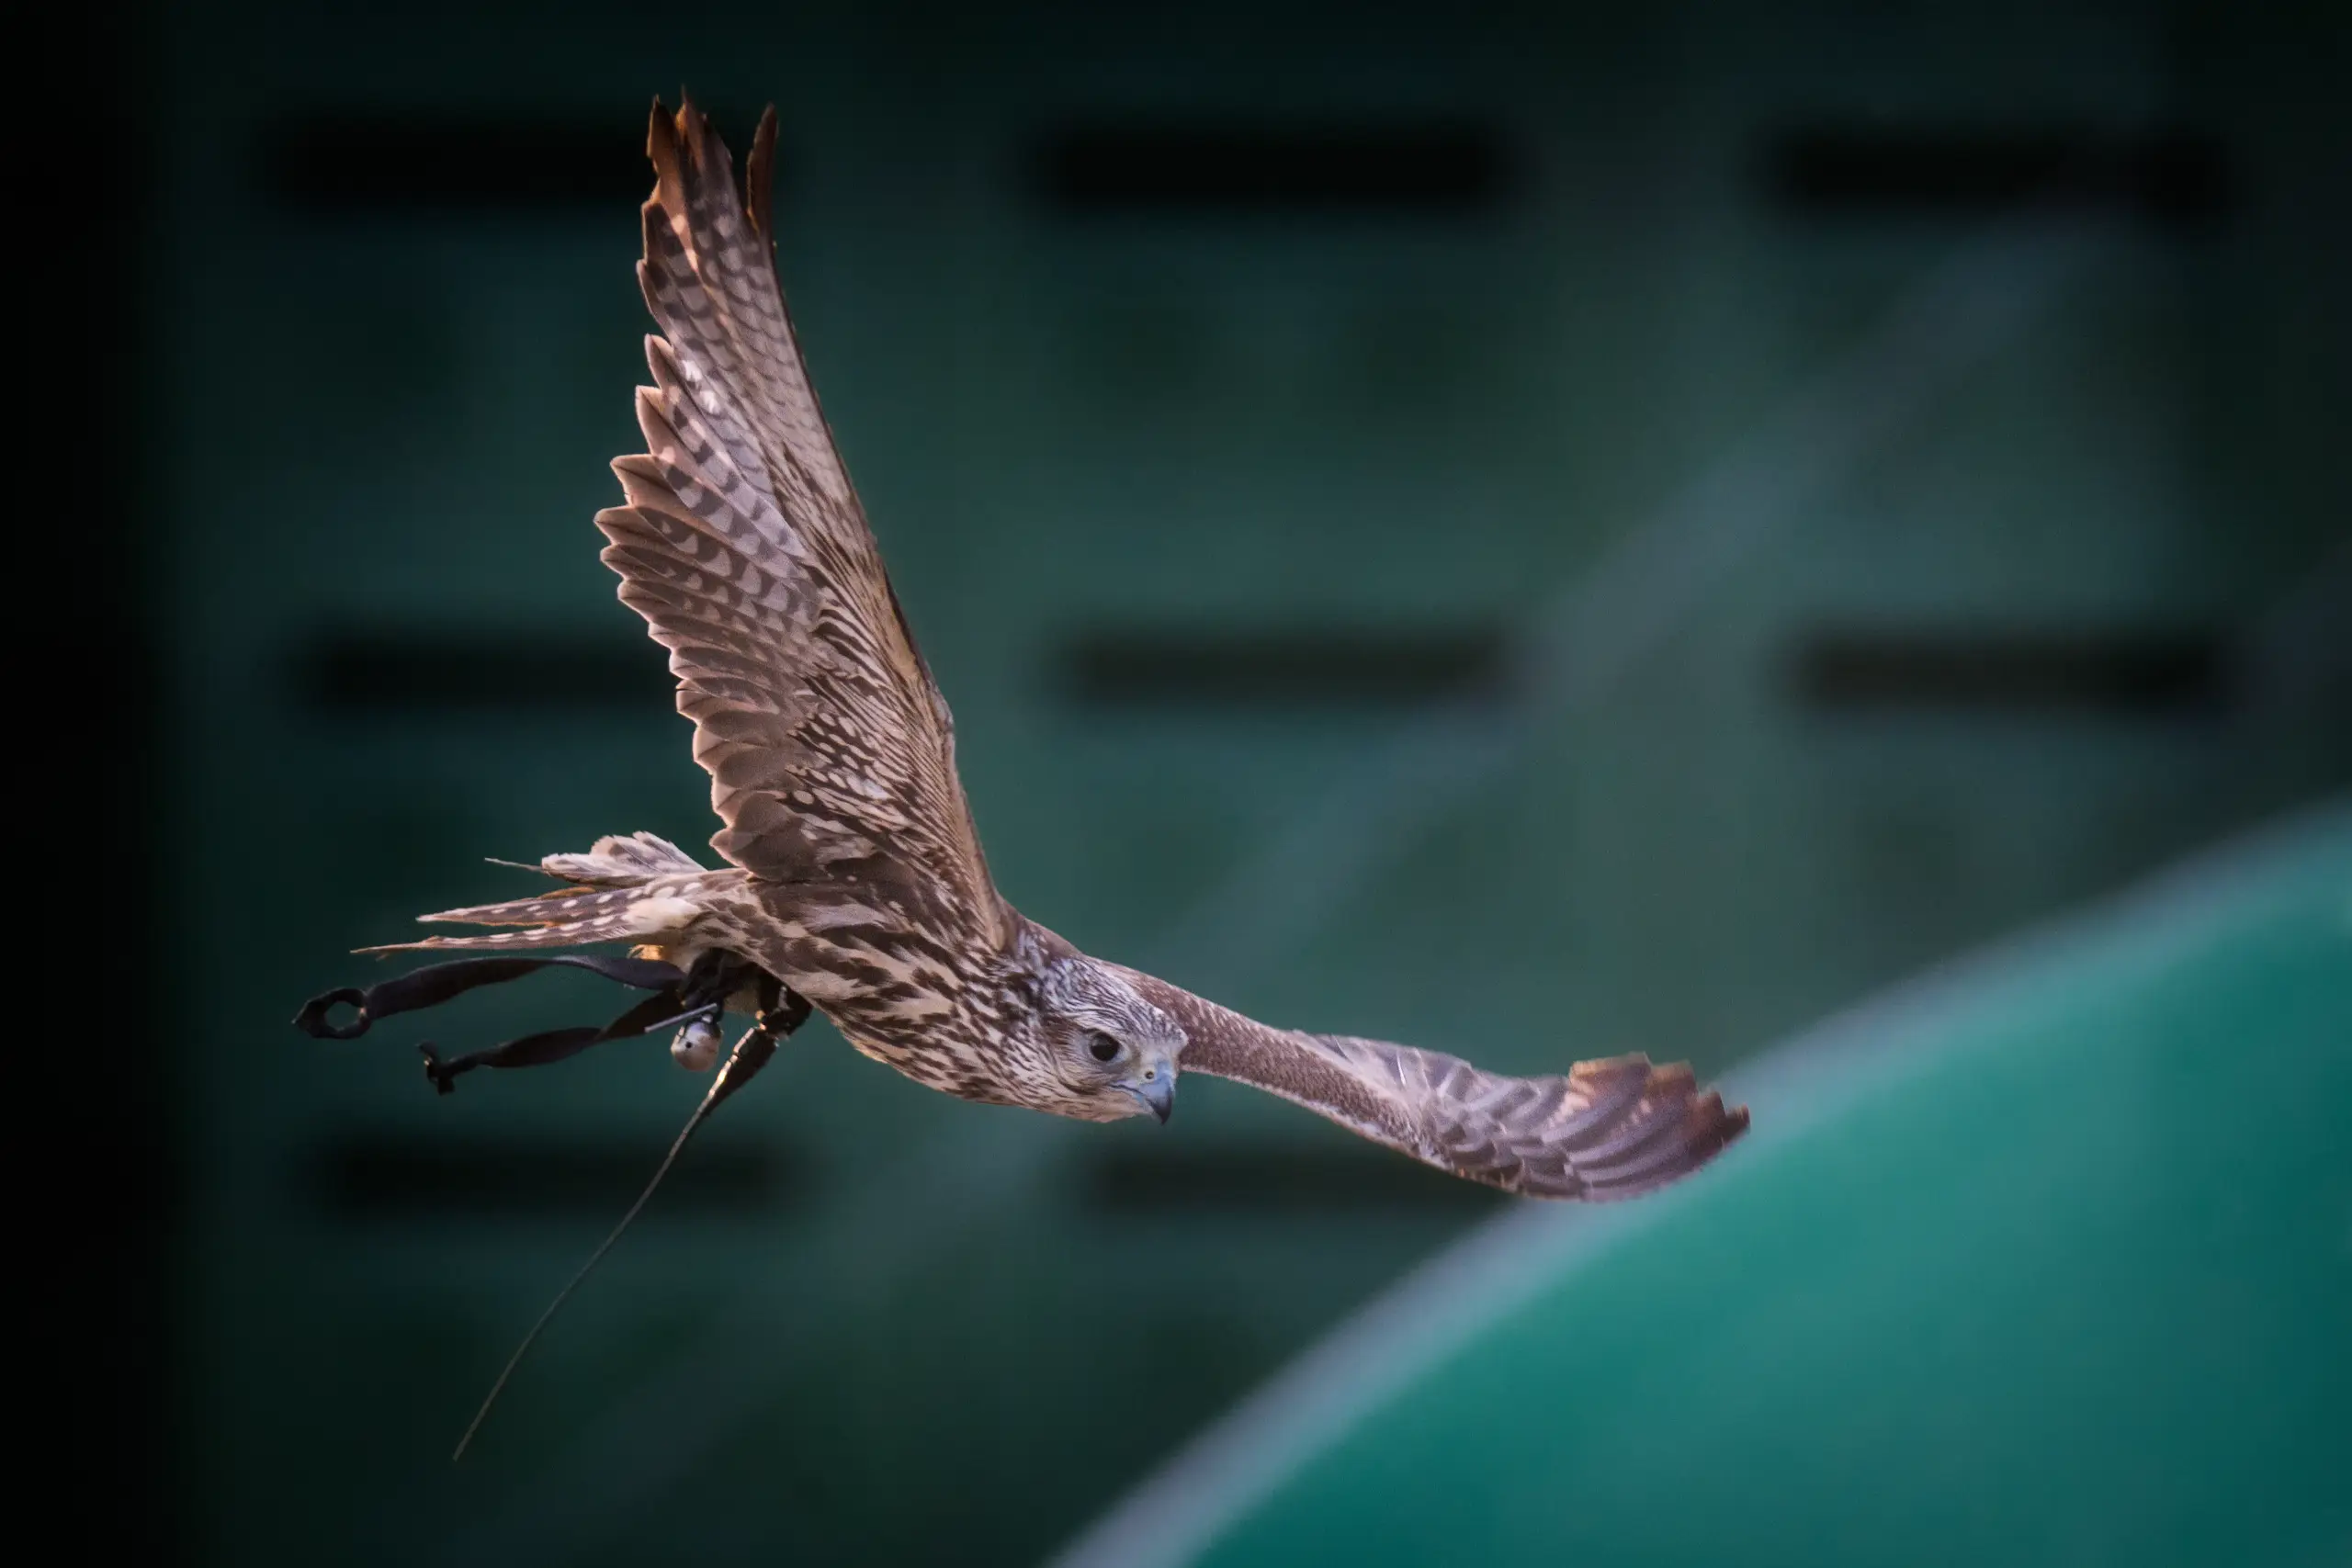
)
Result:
{"points": [[1108, 1052]]}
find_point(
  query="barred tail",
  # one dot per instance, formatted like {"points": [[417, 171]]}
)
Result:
{"points": [[660, 907], [617, 862]]}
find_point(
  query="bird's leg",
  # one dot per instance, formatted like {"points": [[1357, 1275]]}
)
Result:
{"points": [[778, 1011], [782, 1009], [701, 996], [717, 978]]}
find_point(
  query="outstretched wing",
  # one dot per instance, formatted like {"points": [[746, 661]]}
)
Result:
{"points": [[1610, 1128], [830, 752]]}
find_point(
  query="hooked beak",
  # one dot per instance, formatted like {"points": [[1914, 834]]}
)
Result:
{"points": [[1155, 1088]]}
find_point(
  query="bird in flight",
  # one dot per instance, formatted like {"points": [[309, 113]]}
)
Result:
{"points": [[853, 881]]}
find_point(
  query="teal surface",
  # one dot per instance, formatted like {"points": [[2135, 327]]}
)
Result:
{"points": [[2051, 1264]]}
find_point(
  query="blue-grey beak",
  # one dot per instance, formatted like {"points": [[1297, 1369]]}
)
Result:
{"points": [[1155, 1088]]}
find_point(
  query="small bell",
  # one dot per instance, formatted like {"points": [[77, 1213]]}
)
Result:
{"points": [[695, 1048]]}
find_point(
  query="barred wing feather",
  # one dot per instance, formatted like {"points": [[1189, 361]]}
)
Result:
{"points": [[830, 752]]}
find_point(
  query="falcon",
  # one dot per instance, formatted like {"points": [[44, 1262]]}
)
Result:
{"points": [[853, 881]]}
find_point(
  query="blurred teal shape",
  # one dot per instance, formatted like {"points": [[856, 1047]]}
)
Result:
{"points": [[2046, 1259]]}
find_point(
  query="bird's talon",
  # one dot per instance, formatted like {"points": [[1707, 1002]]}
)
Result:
{"points": [[784, 1013]]}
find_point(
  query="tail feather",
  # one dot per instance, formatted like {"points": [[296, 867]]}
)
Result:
{"points": [[650, 907], [567, 905], [618, 861], [566, 933]]}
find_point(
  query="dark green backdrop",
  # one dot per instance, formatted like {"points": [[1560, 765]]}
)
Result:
{"points": [[1538, 537]]}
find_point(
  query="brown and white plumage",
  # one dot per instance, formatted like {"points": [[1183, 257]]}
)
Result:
{"points": [[745, 549], [855, 875], [1607, 1128]]}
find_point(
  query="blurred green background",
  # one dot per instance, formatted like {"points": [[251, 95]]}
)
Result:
{"points": [[1537, 533]]}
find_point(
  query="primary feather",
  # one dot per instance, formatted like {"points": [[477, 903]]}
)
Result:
{"points": [[831, 752]]}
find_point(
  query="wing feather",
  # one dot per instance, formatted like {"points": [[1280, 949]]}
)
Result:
{"points": [[1609, 1128], [743, 545]]}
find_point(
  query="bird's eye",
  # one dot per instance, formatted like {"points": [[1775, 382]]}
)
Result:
{"points": [[1101, 1046]]}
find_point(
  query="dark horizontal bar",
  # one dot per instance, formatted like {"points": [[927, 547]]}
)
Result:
{"points": [[1275, 1180], [422, 672], [1439, 167], [2132, 674], [1282, 669], [349, 163], [2170, 176], [377, 1176]]}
